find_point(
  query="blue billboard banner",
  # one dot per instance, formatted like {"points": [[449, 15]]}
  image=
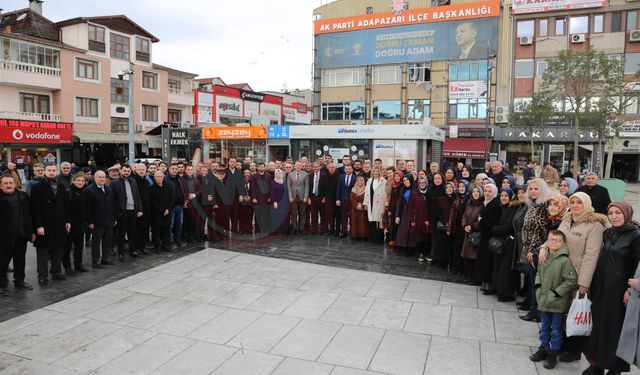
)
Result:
{"points": [[469, 39], [278, 132]]}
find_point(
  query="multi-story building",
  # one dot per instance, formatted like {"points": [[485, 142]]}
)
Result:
{"points": [[72, 72]]}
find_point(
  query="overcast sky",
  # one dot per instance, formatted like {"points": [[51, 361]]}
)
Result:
{"points": [[266, 43]]}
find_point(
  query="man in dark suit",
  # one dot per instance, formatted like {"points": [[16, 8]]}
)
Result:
{"points": [[246, 210], [529, 171], [466, 39], [101, 217], [234, 177], [51, 221], [161, 202], [331, 214], [224, 198], [314, 199], [345, 184], [346, 160], [128, 209], [599, 195], [260, 191], [142, 223], [298, 189]]}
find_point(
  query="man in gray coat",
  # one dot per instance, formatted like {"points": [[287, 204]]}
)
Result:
{"points": [[298, 187], [629, 346]]}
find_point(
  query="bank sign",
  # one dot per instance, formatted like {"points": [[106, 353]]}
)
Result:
{"points": [[38, 132], [539, 6]]}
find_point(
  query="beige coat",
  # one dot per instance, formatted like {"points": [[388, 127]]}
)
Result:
{"points": [[584, 241], [375, 210]]}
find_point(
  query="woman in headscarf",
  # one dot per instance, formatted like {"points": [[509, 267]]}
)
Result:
{"points": [[534, 233], [460, 204], [568, 186], [393, 194], [520, 257], [375, 197], [419, 215], [617, 262], [471, 225], [556, 209], [435, 191], [508, 182], [359, 224], [410, 221], [502, 263], [551, 177], [480, 177], [450, 177], [466, 174], [444, 251], [489, 216], [279, 204]]}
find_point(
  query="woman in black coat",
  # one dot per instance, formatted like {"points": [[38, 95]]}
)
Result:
{"points": [[78, 214], [435, 190], [161, 202], [489, 217], [502, 263], [617, 262], [463, 197]]}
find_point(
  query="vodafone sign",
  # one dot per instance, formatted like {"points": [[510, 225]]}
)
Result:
{"points": [[39, 132]]}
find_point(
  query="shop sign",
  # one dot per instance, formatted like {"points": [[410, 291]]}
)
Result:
{"points": [[179, 137], [408, 17], [234, 132], [539, 6], [278, 132], [366, 132], [38, 132], [205, 114], [251, 109], [228, 106], [384, 150], [467, 89], [625, 145], [630, 127], [546, 135], [293, 115], [271, 111], [251, 96]]}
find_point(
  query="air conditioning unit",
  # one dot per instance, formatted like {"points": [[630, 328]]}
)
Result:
{"points": [[140, 128], [634, 36], [502, 115], [578, 38], [526, 40]]}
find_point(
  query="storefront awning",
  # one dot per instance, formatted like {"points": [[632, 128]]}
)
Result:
{"points": [[107, 138], [465, 147]]}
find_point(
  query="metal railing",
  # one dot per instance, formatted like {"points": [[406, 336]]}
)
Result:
{"points": [[29, 68], [180, 92], [31, 116]]}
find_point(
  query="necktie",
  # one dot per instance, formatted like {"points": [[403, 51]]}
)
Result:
{"points": [[348, 179], [315, 184]]}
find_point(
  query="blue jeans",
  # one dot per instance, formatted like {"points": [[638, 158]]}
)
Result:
{"points": [[175, 223], [551, 331]]}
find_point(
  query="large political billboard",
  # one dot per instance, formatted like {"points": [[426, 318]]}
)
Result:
{"points": [[453, 40]]}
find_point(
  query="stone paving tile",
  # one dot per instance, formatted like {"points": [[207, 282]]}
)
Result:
{"points": [[506, 359], [387, 314], [212, 269], [510, 329], [292, 366], [311, 305], [211, 291], [263, 334], [322, 283], [470, 323], [307, 340], [358, 286], [13, 341], [94, 301], [401, 353], [353, 346], [423, 291], [201, 358], [276, 300], [154, 283], [188, 320], [118, 310], [26, 319], [339, 370], [182, 287], [429, 319], [491, 303], [242, 296], [12, 364], [348, 309], [292, 279], [452, 356], [459, 295], [225, 326], [388, 289], [249, 363], [154, 313]]}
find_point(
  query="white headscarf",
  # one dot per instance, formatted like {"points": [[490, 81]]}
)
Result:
{"points": [[494, 193]]}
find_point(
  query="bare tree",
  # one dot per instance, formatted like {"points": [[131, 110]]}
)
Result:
{"points": [[532, 116]]}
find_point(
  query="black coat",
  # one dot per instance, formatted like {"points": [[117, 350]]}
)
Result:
{"points": [[599, 195], [143, 191], [99, 206], [328, 186], [207, 187], [235, 179], [224, 191], [490, 215], [617, 262], [77, 210], [51, 212], [120, 195], [7, 234], [162, 199]]}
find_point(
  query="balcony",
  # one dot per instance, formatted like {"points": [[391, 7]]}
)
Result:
{"points": [[180, 97], [30, 75], [30, 116]]}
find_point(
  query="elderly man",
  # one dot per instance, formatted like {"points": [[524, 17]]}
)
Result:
{"points": [[142, 222], [497, 171], [38, 176], [65, 175], [128, 209], [114, 173], [599, 195], [11, 170], [298, 188], [101, 218]]}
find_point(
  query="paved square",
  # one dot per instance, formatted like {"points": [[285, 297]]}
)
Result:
{"points": [[222, 312]]}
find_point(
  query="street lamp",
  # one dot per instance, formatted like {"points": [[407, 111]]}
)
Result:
{"points": [[487, 123], [132, 130]]}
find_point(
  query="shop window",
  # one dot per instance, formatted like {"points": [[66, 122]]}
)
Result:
{"points": [[142, 49], [149, 113], [616, 21], [386, 109], [119, 47], [598, 23], [579, 25], [34, 103], [87, 107], [543, 27], [559, 26], [343, 77], [525, 28], [175, 116], [468, 70], [87, 69], [632, 20], [419, 109], [524, 69], [541, 67], [420, 72], [387, 74], [468, 108], [149, 80], [119, 91], [119, 124]]}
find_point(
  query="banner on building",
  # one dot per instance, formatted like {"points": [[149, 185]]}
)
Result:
{"points": [[468, 90], [39, 132], [234, 132], [540, 6]]}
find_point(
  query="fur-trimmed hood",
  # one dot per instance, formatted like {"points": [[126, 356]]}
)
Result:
{"points": [[590, 217]]}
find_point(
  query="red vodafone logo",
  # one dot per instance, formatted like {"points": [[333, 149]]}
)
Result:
{"points": [[17, 134], [40, 132]]}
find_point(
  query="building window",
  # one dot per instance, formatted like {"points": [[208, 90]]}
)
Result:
{"points": [[386, 109], [343, 111], [524, 28], [419, 109], [149, 80], [419, 72], [87, 69], [150, 113], [598, 23], [541, 67], [631, 63], [175, 116], [387, 74], [34, 103], [632, 20], [632, 107], [119, 124], [524, 69], [343, 77], [119, 47], [175, 86], [543, 27], [579, 25], [468, 108], [560, 26], [520, 103], [369, 10], [616, 21], [468, 70], [142, 49], [119, 91], [96, 33], [33, 54], [86, 107]]}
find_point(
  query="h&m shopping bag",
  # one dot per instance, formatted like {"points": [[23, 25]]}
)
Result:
{"points": [[579, 318]]}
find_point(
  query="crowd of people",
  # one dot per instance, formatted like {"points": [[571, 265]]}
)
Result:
{"points": [[548, 239]]}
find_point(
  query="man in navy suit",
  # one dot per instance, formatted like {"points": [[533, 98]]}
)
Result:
{"points": [[101, 217], [345, 184]]}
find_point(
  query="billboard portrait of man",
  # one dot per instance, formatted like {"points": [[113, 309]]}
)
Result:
{"points": [[466, 39]]}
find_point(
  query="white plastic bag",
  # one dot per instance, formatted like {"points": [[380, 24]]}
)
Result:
{"points": [[579, 318]]}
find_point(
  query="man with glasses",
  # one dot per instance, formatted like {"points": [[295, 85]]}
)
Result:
{"points": [[65, 175], [38, 176]]}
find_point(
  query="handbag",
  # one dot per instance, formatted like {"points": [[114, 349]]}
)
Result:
{"points": [[475, 238], [497, 245], [579, 318]]}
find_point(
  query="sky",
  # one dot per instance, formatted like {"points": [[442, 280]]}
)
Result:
{"points": [[266, 43]]}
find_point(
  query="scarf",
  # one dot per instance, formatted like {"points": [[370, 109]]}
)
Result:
{"points": [[407, 194], [358, 190], [395, 184], [494, 193], [480, 200], [588, 207], [278, 180], [627, 211], [466, 190], [426, 182]]}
